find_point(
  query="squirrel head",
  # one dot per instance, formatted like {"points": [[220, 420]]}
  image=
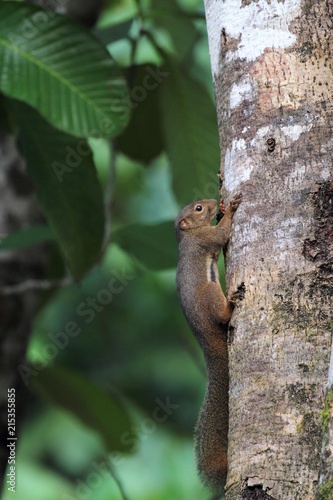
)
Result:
{"points": [[195, 215]]}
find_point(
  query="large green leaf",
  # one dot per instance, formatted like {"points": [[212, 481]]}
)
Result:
{"points": [[102, 411], [177, 23], [142, 139], [190, 129], [67, 187], [58, 67], [155, 245]]}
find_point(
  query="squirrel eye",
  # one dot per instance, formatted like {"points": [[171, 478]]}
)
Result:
{"points": [[198, 208]]}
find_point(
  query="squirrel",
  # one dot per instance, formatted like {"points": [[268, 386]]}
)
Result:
{"points": [[208, 313]]}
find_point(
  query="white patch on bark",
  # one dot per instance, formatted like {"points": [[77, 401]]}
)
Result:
{"points": [[240, 91], [249, 231], [294, 131], [255, 42], [326, 173], [214, 15], [238, 166], [261, 132], [285, 234], [257, 26]]}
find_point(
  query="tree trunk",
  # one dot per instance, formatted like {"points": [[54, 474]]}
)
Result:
{"points": [[18, 208], [272, 70]]}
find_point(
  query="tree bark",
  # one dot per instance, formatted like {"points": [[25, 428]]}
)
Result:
{"points": [[18, 208], [272, 71]]}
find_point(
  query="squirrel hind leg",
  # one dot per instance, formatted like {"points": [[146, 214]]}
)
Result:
{"points": [[219, 307]]}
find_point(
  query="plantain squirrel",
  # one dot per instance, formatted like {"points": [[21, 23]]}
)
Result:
{"points": [[208, 312]]}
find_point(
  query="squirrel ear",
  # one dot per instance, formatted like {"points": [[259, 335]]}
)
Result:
{"points": [[184, 224]]}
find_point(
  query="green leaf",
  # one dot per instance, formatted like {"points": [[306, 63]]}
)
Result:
{"points": [[117, 11], [113, 33], [190, 130], [177, 23], [27, 237], [67, 187], [58, 67], [155, 246], [142, 140], [96, 408]]}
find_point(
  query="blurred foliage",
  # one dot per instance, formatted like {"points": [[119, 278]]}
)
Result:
{"points": [[116, 377]]}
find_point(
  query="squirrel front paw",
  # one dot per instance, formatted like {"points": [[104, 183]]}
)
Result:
{"points": [[239, 294], [234, 204]]}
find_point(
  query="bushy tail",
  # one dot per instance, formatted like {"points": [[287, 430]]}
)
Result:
{"points": [[212, 427]]}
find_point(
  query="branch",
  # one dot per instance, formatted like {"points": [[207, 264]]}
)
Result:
{"points": [[117, 481], [32, 284]]}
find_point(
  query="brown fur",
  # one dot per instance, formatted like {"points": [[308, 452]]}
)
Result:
{"points": [[207, 312]]}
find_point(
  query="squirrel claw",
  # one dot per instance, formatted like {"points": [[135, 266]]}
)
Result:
{"points": [[236, 201], [239, 294]]}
